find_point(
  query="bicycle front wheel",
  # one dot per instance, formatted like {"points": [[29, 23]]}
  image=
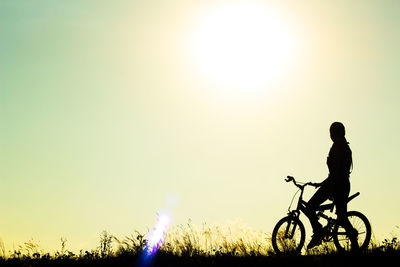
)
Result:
{"points": [[288, 235], [359, 223]]}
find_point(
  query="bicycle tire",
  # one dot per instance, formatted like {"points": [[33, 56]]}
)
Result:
{"points": [[359, 222], [284, 240]]}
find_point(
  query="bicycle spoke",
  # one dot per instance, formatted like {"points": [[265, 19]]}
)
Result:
{"points": [[361, 225], [288, 237]]}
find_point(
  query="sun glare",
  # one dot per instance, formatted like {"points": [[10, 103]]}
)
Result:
{"points": [[242, 47]]}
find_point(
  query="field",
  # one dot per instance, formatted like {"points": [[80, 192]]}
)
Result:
{"points": [[188, 245], [375, 258]]}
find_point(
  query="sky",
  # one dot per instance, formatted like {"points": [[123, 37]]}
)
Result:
{"points": [[111, 112]]}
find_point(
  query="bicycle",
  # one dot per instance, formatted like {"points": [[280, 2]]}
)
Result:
{"points": [[289, 233]]}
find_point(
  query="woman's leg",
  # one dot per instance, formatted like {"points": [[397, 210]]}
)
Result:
{"points": [[341, 196], [322, 194]]}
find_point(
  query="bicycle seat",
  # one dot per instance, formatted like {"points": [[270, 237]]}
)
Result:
{"points": [[331, 205]]}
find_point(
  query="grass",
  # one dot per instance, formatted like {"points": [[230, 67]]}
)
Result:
{"points": [[190, 245]]}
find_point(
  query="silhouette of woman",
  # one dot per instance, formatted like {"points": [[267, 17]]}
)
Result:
{"points": [[336, 186]]}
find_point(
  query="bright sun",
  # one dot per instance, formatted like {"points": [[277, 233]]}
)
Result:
{"points": [[242, 47]]}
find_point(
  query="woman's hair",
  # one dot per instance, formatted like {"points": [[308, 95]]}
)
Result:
{"points": [[337, 130]]}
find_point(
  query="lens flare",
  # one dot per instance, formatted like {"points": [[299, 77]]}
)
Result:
{"points": [[157, 234], [156, 237]]}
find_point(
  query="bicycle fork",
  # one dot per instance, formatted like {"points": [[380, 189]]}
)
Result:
{"points": [[289, 233]]}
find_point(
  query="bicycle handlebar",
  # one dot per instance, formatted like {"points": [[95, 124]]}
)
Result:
{"points": [[291, 179]]}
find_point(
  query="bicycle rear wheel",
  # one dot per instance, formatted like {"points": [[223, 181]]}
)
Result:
{"points": [[288, 235], [359, 223]]}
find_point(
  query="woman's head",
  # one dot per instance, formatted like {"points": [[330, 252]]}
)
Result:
{"points": [[337, 131]]}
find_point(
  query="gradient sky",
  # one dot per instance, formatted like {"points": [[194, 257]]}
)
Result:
{"points": [[105, 119]]}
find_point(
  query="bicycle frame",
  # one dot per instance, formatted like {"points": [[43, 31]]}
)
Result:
{"points": [[289, 233], [302, 205]]}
